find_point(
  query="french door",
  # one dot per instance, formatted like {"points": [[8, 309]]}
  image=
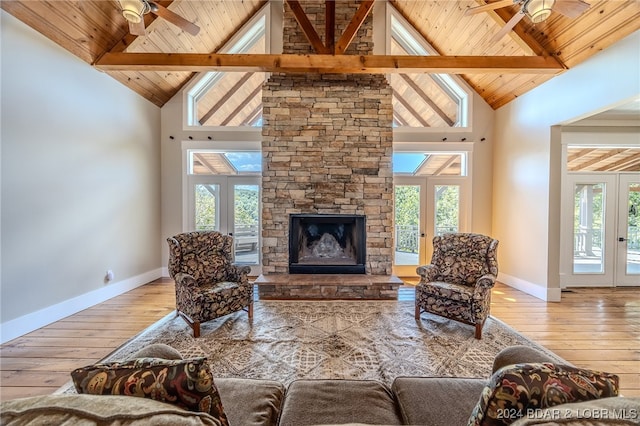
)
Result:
{"points": [[231, 205], [425, 207], [600, 241]]}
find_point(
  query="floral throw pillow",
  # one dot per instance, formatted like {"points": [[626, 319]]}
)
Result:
{"points": [[186, 383], [519, 390]]}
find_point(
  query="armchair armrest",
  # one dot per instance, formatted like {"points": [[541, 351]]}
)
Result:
{"points": [[238, 273], [427, 272], [484, 284], [183, 279], [486, 281]]}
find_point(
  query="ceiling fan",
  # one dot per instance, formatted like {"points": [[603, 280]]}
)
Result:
{"points": [[537, 11], [134, 11]]}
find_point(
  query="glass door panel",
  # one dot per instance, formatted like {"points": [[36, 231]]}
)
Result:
{"points": [[206, 207], [407, 224], [628, 238], [246, 223], [588, 235], [447, 209], [588, 230]]}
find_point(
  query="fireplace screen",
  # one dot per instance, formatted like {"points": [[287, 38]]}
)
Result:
{"points": [[327, 244]]}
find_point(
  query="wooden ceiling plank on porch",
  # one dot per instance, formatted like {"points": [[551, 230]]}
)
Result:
{"points": [[622, 164], [607, 155], [242, 105], [307, 27], [427, 99], [446, 165], [342, 64], [245, 77], [409, 108], [579, 154], [356, 22], [253, 116]]}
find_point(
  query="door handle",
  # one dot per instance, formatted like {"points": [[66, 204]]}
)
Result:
{"points": [[622, 239]]}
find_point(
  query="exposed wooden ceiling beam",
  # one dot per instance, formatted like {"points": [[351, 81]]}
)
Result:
{"points": [[579, 154], [225, 97], [409, 108], [608, 154], [253, 116], [427, 99], [399, 120], [353, 27], [129, 38], [242, 105], [330, 25], [307, 27], [446, 165], [323, 64], [622, 164], [521, 36]]}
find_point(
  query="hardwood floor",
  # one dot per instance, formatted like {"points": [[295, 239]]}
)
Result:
{"points": [[593, 328]]}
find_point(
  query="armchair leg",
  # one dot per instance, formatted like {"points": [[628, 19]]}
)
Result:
{"points": [[250, 310], [417, 314], [478, 334], [195, 325]]}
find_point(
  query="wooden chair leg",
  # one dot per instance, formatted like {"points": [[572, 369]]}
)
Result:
{"points": [[479, 330], [196, 329], [417, 314], [250, 310]]}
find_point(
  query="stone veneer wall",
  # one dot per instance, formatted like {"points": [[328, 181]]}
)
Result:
{"points": [[327, 146]]}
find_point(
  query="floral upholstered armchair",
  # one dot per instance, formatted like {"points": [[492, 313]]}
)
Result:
{"points": [[457, 284], [208, 285]]}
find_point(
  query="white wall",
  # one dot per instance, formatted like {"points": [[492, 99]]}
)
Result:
{"points": [[526, 188], [80, 183]]}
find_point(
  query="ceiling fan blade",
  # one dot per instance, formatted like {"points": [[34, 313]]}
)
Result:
{"points": [[137, 29], [488, 6], [571, 8], [507, 27], [174, 18]]}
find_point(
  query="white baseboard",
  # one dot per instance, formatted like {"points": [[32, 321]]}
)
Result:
{"points": [[9, 330], [543, 293]]}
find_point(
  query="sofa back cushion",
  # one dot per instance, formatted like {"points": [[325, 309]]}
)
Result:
{"points": [[82, 410]]}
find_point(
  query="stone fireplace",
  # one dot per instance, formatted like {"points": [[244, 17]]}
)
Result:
{"points": [[327, 147], [327, 244]]}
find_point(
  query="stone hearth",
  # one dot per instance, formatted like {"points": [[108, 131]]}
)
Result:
{"points": [[327, 286]]}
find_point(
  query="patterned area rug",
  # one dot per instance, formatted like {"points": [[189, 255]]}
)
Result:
{"points": [[333, 339]]}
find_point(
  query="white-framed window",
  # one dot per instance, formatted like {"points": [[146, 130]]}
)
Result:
{"points": [[231, 99]]}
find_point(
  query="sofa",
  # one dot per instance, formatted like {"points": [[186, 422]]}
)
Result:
{"points": [[442, 401]]}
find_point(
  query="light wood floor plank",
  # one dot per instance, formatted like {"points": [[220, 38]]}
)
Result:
{"points": [[592, 328]]}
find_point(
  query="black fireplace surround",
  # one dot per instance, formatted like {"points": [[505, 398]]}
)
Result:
{"points": [[327, 244]]}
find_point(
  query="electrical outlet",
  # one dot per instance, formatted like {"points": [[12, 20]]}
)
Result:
{"points": [[109, 276]]}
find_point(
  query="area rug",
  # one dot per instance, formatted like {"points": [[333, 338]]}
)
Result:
{"points": [[289, 340]]}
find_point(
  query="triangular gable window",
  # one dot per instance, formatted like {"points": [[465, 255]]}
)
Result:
{"points": [[231, 98], [421, 99]]}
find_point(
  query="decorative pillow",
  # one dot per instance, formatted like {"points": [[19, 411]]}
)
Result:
{"points": [[185, 383], [517, 390]]}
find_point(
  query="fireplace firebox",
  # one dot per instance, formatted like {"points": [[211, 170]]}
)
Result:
{"points": [[327, 244]]}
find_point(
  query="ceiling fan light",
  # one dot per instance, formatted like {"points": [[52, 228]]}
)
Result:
{"points": [[132, 10], [539, 10]]}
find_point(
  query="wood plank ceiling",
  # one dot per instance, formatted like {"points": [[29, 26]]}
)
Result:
{"points": [[91, 28]]}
